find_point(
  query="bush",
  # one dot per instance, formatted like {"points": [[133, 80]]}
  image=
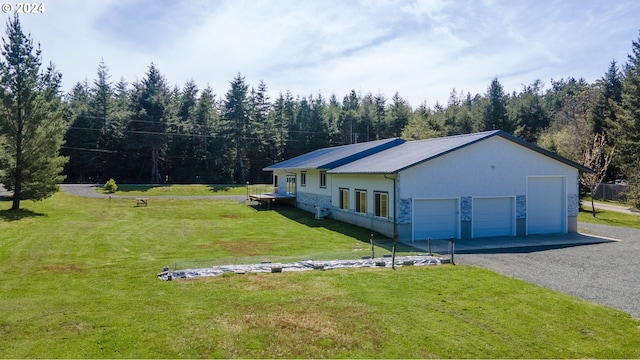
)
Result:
{"points": [[633, 196], [111, 186]]}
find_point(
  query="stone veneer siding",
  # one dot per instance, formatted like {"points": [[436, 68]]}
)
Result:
{"points": [[405, 211], [573, 205]]}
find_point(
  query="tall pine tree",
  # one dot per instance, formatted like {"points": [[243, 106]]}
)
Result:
{"points": [[31, 122], [629, 141], [148, 128], [236, 115], [495, 109]]}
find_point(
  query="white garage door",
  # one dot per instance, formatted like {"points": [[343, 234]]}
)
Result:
{"points": [[435, 218], [546, 205], [493, 217]]}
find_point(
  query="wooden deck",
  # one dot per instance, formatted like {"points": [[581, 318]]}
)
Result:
{"points": [[267, 199]]}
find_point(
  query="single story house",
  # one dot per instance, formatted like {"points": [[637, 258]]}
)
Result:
{"points": [[466, 186]]}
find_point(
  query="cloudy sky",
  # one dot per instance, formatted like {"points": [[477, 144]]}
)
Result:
{"points": [[421, 49]]}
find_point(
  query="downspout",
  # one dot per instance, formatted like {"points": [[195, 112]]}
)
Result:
{"points": [[395, 215], [395, 221]]}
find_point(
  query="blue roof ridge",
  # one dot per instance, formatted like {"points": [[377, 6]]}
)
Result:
{"points": [[478, 134]]}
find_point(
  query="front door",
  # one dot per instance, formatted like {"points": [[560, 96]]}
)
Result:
{"points": [[291, 184]]}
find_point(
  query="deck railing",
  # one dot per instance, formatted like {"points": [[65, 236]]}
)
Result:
{"points": [[258, 189]]}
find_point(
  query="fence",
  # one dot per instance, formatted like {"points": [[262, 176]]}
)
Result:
{"points": [[377, 250], [611, 192]]}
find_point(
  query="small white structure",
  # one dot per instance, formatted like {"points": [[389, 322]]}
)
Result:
{"points": [[466, 186]]}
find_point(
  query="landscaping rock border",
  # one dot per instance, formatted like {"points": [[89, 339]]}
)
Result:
{"points": [[419, 260]]}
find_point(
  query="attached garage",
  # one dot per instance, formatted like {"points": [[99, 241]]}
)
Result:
{"points": [[546, 205], [435, 218], [466, 186], [493, 216]]}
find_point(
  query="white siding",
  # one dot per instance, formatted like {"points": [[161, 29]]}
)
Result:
{"points": [[369, 183], [492, 167], [313, 183]]}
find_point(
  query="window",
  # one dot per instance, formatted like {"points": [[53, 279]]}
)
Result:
{"points": [[381, 204], [361, 201], [303, 178], [344, 199], [323, 179]]}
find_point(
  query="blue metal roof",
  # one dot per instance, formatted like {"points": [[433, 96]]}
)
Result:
{"points": [[394, 155], [331, 157], [412, 153], [409, 154]]}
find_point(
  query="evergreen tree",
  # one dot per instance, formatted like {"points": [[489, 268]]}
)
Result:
{"points": [[31, 122], [529, 112], [629, 141], [148, 128], [101, 107], [81, 136], [316, 130], [380, 103], [397, 115], [349, 118], [277, 129], [207, 121], [236, 114], [297, 128], [420, 125], [183, 163], [368, 117], [260, 144], [605, 111], [470, 116], [332, 120], [115, 144], [495, 109]]}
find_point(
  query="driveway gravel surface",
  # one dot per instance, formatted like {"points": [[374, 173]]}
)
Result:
{"points": [[605, 273]]}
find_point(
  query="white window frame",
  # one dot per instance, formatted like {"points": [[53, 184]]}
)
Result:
{"points": [[377, 203], [361, 195], [344, 203], [303, 178]]}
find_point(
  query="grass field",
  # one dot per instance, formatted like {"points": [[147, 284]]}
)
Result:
{"points": [[179, 190], [79, 281], [610, 218]]}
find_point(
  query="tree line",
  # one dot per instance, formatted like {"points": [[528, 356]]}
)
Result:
{"points": [[150, 132]]}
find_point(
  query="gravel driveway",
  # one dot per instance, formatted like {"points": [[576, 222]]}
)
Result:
{"points": [[607, 273]]}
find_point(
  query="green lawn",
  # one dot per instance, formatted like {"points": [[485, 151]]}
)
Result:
{"points": [[179, 190], [79, 281], [610, 218]]}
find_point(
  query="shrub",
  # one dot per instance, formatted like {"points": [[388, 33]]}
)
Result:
{"points": [[111, 186], [633, 196]]}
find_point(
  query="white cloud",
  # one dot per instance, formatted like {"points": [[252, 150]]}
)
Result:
{"points": [[422, 49]]}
